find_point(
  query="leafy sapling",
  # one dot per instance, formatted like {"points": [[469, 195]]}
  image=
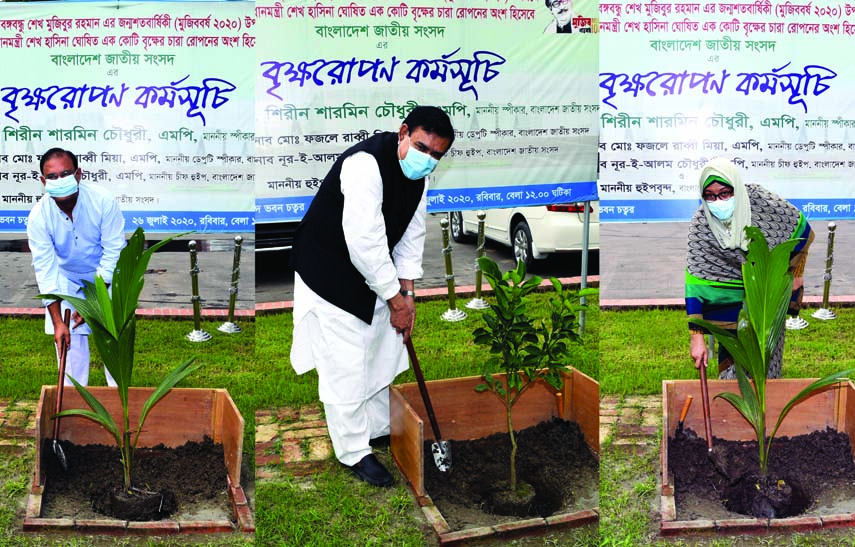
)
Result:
{"points": [[768, 286], [525, 349], [111, 315]]}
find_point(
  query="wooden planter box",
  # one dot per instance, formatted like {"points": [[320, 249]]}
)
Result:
{"points": [[464, 414], [184, 414], [832, 407]]}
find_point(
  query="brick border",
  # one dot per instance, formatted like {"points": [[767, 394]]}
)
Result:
{"points": [[672, 526], [266, 308], [275, 454], [508, 530], [243, 520], [165, 313], [843, 301], [749, 525], [240, 508], [439, 293]]}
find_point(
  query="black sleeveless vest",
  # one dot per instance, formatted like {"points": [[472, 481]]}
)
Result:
{"points": [[320, 254]]}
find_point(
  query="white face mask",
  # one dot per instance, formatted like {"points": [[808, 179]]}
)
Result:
{"points": [[416, 164], [60, 188], [722, 209]]}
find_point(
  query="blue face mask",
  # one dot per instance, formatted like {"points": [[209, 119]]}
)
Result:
{"points": [[61, 188], [722, 209], [417, 165]]}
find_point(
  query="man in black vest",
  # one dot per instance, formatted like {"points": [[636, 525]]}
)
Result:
{"points": [[355, 256]]}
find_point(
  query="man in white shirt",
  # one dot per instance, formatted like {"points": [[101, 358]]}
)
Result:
{"points": [[75, 231], [355, 256]]}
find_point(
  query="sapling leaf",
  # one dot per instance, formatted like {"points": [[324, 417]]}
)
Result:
{"points": [[489, 268], [554, 381], [98, 413], [531, 284], [524, 349], [520, 271], [175, 376], [111, 315], [812, 389], [768, 286], [480, 388], [727, 339]]}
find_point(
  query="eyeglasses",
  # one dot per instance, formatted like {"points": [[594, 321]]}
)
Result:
{"points": [[54, 176], [724, 195], [558, 3]]}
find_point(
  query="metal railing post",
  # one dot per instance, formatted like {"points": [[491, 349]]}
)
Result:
{"points": [[230, 327], [452, 313], [825, 313], [197, 335], [586, 228], [478, 303]]}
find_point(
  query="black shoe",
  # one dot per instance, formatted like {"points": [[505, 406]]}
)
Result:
{"points": [[383, 441], [372, 471]]}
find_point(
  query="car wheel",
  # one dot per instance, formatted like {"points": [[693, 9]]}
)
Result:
{"points": [[522, 243], [456, 221]]}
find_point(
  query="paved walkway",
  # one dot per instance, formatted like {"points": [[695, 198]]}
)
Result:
{"points": [[634, 423], [18, 426], [295, 441], [644, 264], [274, 281], [167, 290]]}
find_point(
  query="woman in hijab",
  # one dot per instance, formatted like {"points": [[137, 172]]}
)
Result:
{"points": [[714, 288]]}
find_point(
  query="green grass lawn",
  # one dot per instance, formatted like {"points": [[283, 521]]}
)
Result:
{"points": [[630, 352], [335, 509], [30, 362], [329, 508], [641, 348], [629, 501]]}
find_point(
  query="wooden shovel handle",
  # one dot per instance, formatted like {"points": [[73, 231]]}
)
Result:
{"points": [[60, 384], [685, 410], [417, 369], [705, 401]]}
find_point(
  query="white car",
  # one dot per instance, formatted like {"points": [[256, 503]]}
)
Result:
{"points": [[532, 232]]}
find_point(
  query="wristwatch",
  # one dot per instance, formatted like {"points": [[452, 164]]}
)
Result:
{"points": [[408, 293]]}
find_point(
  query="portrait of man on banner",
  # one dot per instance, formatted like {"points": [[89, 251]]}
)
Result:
{"points": [[562, 14]]}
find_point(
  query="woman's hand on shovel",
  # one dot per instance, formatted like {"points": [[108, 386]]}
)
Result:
{"points": [[698, 349]]}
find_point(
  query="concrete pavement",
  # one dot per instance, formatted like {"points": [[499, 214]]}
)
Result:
{"points": [[274, 282], [167, 281], [645, 263]]}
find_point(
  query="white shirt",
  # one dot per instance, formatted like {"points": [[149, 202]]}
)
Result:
{"points": [[67, 251], [365, 230]]}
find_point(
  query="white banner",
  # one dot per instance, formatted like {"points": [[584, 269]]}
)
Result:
{"points": [[769, 85], [155, 99], [523, 99]]}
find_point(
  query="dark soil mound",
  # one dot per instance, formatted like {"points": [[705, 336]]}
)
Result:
{"points": [[194, 473], [799, 469], [767, 497], [551, 456]]}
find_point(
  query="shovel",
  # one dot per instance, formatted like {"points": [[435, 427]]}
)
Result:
{"points": [[705, 402], [440, 449], [63, 354], [679, 433], [715, 455]]}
